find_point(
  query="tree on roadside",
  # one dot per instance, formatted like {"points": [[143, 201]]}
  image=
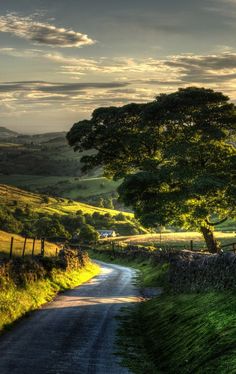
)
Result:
{"points": [[177, 155]]}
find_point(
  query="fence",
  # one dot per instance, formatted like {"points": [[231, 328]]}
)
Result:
{"points": [[232, 245], [29, 246], [191, 246]]}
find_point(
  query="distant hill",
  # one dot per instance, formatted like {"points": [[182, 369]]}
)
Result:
{"points": [[45, 163], [21, 138], [42, 138], [6, 133]]}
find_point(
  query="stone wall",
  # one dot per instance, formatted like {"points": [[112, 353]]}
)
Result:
{"points": [[188, 271]]}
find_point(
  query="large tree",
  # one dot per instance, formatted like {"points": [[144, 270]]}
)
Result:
{"points": [[176, 154]]}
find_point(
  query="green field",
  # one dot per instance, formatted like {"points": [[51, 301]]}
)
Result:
{"points": [[69, 187], [42, 156], [176, 240]]}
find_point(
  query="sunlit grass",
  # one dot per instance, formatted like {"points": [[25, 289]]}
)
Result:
{"points": [[9, 196], [175, 239], [5, 240], [17, 301]]}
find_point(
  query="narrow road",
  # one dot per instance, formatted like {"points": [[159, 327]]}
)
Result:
{"points": [[75, 333]]}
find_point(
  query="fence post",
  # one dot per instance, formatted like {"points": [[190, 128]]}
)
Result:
{"points": [[234, 247], [56, 252], [24, 246], [113, 248], [191, 245], [11, 247], [33, 246], [42, 246]]}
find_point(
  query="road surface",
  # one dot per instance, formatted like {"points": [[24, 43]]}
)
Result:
{"points": [[75, 333]]}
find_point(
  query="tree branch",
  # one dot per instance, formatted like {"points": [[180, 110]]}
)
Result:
{"points": [[216, 223]]}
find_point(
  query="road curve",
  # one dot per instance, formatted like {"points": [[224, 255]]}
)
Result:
{"points": [[75, 333]]}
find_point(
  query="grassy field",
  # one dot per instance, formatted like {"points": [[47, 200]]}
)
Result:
{"points": [[69, 187], [174, 239], [5, 240], [10, 196]]}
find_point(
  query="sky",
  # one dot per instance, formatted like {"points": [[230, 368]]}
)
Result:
{"points": [[61, 59]]}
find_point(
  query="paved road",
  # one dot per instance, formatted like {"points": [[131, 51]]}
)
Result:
{"points": [[75, 333]]}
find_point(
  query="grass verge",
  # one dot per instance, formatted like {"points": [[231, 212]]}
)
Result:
{"points": [[17, 301], [184, 333]]}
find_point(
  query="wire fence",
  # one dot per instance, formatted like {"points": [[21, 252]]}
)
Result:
{"points": [[29, 247]]}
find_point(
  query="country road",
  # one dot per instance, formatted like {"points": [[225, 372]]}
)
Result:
{"points": [[75, 333]]}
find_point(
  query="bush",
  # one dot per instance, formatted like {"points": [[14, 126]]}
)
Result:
{"points": [[88, 234]]}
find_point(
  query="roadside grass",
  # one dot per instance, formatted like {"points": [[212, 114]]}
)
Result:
{"points": [[176, 334], [5, 240], [15, 301], [193, 333]]}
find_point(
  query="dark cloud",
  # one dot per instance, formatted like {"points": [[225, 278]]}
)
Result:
{"points": [[205, 69], [42, 33], [55, 88]]}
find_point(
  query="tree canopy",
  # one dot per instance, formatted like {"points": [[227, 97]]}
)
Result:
{"points": [[177, 156]]}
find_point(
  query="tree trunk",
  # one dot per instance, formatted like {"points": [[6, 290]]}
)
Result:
{"points": [[211, 243]]}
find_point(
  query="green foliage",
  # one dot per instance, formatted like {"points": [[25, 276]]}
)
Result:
{"points": [[8, 222], [88, 234], [51, 227], [176, 153]]}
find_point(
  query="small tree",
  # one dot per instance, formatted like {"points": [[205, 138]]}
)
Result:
{"points": [[88, 234]]}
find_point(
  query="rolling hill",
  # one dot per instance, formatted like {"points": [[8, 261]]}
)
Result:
{"points": [[32, 214], [12, 196], [44, 163], [5, 133]]}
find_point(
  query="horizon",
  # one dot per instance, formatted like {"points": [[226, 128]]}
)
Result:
{"points": [[61, 61]]}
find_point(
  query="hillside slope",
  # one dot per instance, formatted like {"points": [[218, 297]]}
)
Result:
{"points": [[12, 197]]}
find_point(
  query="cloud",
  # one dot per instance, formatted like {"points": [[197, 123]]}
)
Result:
{"points": [[205, 69], [42, 33], [54, 87]]}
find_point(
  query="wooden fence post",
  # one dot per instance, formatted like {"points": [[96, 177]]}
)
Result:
{"points": [[42, 246], [11, 247], [24, 246], [191, 245], [234, 247], [33, 246], [113, 248]]}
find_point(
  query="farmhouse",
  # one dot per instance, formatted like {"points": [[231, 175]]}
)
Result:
{"points": [[106, 233]]}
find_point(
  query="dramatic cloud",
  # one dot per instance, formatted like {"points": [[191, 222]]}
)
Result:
{"points": [[95, 82], [42, 33]]}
